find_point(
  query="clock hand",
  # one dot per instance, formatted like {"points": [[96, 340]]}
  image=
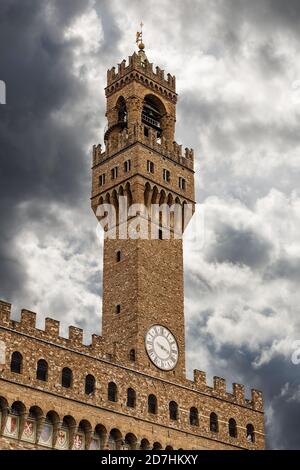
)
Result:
{"points": [[163, 348]]}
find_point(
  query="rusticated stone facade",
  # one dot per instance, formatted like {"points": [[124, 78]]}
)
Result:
{"points": [[96, 411], [59, 393]]}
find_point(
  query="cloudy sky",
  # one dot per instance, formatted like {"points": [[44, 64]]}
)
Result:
{"points": [[238, 78]]}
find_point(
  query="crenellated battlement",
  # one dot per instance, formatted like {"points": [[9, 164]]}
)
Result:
{"points": [[135, 64], [51, 332], [125, 139], [27, 325], [219, 390], [37, 392]]}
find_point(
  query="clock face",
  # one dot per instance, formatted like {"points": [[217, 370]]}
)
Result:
{"points": [[161, 347]]}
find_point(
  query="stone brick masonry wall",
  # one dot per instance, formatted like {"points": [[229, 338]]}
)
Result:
{"points": [[48, 396]]}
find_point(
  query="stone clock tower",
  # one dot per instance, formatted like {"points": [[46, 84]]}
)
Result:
{"points": [[126, 389], [143, 275]]}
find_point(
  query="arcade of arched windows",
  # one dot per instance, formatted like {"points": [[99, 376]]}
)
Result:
{"points": [[178, 217], [152, 195], [49, 430], [148, 111], [153, 110]]}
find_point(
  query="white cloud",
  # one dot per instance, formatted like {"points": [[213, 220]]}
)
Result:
{"points": [[248, 309], [87, 31], [61, 263]]}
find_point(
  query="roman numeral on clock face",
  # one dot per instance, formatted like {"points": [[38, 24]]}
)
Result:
{"points": [[161, 347]]}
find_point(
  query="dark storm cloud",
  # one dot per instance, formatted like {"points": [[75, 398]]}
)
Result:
{"points": [[285, 13], [231, 17], [42, 159], [267, 14], [93, 283], [286, 406], [197, 325], [111, 32], [202, 284], [282, 432], [284, 268], [270, 62], [209, 116], [241, 246]]}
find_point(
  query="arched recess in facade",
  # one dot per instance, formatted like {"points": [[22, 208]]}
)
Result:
{"points": [[113, 197], [159, 116], [154, 195], [118, 120], [50, 430], [153, 114], [145, 444], [31, 424], [130, 441]]}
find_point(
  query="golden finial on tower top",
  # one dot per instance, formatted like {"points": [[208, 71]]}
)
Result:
{"points": [[139, 38]]}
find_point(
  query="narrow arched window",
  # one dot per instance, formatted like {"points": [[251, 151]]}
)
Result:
{"points": [[152, 404], [112, 392], [232, 428], [132, 355], [194, 417], [145, 444], [157, 446], [16, 362], [173, 410], [250, 433], [115, 440], [213, 423], [131, 398], [90, 383], [66, 377], [42, 370]]}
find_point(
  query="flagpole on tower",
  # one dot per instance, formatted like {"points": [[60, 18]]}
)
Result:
{"points": [[139, 37]]}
